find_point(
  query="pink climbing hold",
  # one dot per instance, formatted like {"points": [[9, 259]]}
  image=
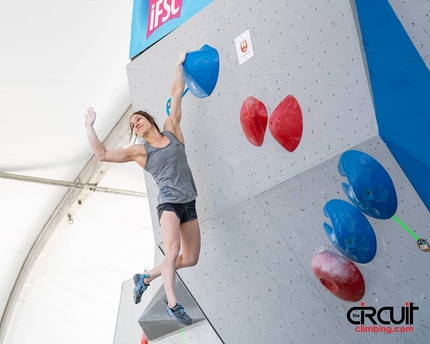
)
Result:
{"points": [[339, 275], [253, 118], [286, 123]]}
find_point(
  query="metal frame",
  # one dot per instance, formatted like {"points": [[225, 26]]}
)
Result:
{"points": [[77, 192], [72, 185]]}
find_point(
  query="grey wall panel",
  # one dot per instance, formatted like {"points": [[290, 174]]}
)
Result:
{"points": [[414, 16], [195, 334], [301, 48], [252, 286]]}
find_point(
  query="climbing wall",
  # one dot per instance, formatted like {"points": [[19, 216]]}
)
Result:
{"points": [[261, 207], [400, 79]]}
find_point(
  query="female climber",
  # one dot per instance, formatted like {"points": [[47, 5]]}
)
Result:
{"points": [[162, 154]]}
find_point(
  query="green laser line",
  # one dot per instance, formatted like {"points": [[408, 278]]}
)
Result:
{"points": [[405, 227], [183, 337]]}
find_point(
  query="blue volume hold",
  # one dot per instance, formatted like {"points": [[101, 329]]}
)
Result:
{"points": [[201, 69], [370, 186], [351, 234]]}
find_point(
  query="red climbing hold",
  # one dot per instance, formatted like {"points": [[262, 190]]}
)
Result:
{"points": [[286, 123], [144, 339], [339, 275], [253, 118]]}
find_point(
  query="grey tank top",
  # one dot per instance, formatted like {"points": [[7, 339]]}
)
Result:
{"points": [[169, 167]]}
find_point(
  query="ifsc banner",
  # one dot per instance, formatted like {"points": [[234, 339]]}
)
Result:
{"points": [[154, 19]]}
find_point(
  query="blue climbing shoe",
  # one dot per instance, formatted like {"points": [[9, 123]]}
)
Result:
{"points": [[179, 314], [139, 286]]}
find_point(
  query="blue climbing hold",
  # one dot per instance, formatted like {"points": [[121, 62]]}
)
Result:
{"points": [[351, 233], [169, 101], [370, 186], [201, 69]]}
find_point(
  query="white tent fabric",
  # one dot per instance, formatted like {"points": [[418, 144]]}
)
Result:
{"points": [[59, 57], [74, 289]]}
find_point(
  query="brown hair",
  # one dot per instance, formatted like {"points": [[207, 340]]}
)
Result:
{"points": [[148, 117]]}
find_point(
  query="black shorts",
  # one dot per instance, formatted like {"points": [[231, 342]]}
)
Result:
{"points": [[184, 211]]}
